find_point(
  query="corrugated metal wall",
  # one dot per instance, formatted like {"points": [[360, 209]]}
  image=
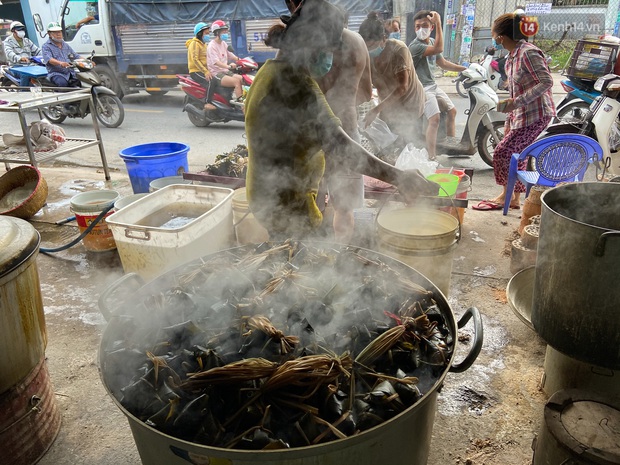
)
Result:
{"points": [[154, 38]]}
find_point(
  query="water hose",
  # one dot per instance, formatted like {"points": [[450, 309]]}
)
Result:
{"points": [[81, 236]]}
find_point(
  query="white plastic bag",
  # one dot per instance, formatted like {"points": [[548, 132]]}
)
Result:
{"points": [[379, 132], [412, 158]]}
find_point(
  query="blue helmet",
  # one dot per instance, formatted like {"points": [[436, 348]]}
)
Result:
{"points": [[198, 28]]}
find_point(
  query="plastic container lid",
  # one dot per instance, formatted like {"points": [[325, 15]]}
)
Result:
{"points": [[18, 241]]}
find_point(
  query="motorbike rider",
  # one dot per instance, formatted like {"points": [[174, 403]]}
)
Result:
{"points": [[18, 49], [57, 56], [197, 60], [425, 50], [218, 55]]}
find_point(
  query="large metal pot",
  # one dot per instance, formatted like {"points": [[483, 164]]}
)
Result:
{"points": [[402, 440], [576, 302], [22, 322], [29, 418]]}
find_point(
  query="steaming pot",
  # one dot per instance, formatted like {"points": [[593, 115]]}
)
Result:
{"points": [[576, 301], [403, 440]]}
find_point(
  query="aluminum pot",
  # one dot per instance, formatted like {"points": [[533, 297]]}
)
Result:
{"points": [[576, 301], [403, 440]]}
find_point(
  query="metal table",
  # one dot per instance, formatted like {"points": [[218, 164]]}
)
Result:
{"points": [[22, 102]]}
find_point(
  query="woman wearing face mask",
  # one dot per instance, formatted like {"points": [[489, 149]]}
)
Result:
{"points": [[218, 56], [197, 60], [392, 28], [400, 92], [530, 107], [291, 129]]}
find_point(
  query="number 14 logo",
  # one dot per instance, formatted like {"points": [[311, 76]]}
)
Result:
{"points": [[529, 26]]}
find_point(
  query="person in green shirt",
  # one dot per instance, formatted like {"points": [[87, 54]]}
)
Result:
{"points": [[426, 52], [290, 127]]}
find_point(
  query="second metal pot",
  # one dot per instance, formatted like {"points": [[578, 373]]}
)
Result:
{"points": [[576, 304]]}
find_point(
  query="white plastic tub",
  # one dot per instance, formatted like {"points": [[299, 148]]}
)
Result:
{"points": [[172, 226]]}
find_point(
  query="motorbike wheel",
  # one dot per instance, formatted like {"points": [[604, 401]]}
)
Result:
{"points": [[461, 90], [109, 110], [7, 85], [573, 112], [487, 143], [198, 122], [54, 114], [109, 80]]}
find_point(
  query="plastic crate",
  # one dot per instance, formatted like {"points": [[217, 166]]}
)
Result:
{"points": [[592, 59]]}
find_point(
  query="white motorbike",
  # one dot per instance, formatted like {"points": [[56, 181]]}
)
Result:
{"points": [[601, 122], [484, 127], [491, 65]]}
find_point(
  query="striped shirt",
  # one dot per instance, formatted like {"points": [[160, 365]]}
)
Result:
{"points": [[530, 84], [52, 50]]}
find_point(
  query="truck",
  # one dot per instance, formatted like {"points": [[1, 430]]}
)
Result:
{"points": [[139, 45]]}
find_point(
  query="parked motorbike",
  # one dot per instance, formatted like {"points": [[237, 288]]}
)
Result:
{"points": [[484, 127], [226, 109], [601, 121], [108, 107], [579, 96], [10, 74], [491, 65]]}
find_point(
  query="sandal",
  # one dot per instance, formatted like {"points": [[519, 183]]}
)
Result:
{"points": [[487, 205]]}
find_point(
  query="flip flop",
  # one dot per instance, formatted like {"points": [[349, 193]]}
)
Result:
{"points": [[487, 205]]}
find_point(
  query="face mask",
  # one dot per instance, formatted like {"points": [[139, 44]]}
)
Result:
{"points": [[423, 33], [395, 35], [206, 38], [497, 46], [21, 34], [91, 12], [375, 52], [56, 39], [225, 37], [322, 65]]}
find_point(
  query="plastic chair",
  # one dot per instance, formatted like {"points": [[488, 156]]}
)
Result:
{"points": [[558, 158]]}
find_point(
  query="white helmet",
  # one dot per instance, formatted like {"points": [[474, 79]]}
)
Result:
{"points": [[217, 25], [16, 24], [53, 27]]}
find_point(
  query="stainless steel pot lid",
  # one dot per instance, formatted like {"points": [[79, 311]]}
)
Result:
{"points": [[18, 240], [520, 292]]}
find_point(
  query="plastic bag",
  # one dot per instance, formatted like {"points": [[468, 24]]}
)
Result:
{"points": [[46, 136], [379, 132], [412, 158]]}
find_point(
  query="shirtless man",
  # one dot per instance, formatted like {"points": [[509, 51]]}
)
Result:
{"points": [[347, 85]]}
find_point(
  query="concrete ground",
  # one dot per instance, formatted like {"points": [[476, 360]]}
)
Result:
{"points": [[487, 415]]}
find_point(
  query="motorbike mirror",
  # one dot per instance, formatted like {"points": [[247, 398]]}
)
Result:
{"points": [[38, 23]]}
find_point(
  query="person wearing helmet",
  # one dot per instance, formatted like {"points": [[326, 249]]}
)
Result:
{"points": [[18, 49], [292, 132], [57, 56], [197, 60], [218, 56]]}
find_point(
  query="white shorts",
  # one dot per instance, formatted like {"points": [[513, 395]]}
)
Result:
{"points": [[436, 101]]}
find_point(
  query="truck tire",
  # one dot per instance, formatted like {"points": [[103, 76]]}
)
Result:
{"points": [[157, 93], [109, 80]]}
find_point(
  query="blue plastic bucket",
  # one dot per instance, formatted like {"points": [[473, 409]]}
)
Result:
{"points": [[147, 162]]}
